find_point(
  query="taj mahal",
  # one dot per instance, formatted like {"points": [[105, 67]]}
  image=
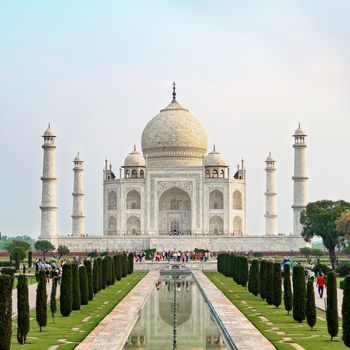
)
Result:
{"points": [[175, 194]]}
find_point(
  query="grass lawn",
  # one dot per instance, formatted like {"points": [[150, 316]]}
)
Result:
{"points": [[275, 324], [68, 332], [339, 279]]}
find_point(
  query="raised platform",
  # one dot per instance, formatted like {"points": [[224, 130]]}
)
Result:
{"points": [[212, 243]]}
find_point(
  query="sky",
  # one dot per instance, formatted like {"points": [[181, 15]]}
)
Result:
{"points": [[98, 71]]}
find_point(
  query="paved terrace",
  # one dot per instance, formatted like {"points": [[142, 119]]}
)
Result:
{"points": [[243, 333], [112, 332]]}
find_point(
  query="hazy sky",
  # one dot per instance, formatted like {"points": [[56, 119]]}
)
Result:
{"points": [[99, 70]]}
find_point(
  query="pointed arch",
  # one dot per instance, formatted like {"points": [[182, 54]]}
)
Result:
{"points": [[237, 226], [216, 225], [216, 200], [133, 200], [237, 200], [133, 226], [112, 225], [112, 200]]}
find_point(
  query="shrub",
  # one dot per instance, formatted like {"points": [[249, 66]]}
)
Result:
{"points": [[8, 271], [262, 279], [277, 284], [96, 277], [332, 305], [66, 296], [88, 266], [17, 259], [118, 271], [131, 262], [53, 305], [6, 282], [75, 287], [41, 301], [62, 250], [254, 277], [112, 270], [22, 309], [299, 290], [321, 268], [269, 282], [30, 259], [346, 311], [99, 260], [310, 304], [150, 253], [343, 269], [125, 265], [84, 287], [104, 272], [92, 255], [287, 287], [341, 284], [103, 254], [244, 271]]}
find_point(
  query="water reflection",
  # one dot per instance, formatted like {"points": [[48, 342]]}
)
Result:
{"points": [[195, 327]]}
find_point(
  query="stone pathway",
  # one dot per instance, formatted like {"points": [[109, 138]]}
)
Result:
{"points": [[322, 302], [32, 296], [112, 332], [243, 333]]}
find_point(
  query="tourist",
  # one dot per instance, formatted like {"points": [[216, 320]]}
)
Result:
{"points": [[320, 284]]}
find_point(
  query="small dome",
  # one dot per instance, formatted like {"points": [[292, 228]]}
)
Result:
{"points": [[134, 159], [49, 132], [214, 158], [299, 132], [78, 158], [270, 158]]}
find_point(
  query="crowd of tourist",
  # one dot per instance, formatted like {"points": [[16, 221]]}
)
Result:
{"points": [[175, 255]]}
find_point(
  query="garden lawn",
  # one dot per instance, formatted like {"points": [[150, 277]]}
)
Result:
{"points": [[278, 327], [68, 332]]}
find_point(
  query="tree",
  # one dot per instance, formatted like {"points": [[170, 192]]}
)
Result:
{"points": [[112, 269], [18, 245], [118, 275], [277, 284], [22, 309], [17, 259], [346, 311], [88, 266], [75, 287], [342, 223], [62, 250], [308, 252], [95, 276], [131, 262], [41, 300], [66, 296], [310, 304], [6, 282], [262, 279], [332, 305], [104, 272], [244, 271], [53, 306], [254, 277], [125, 265], [99, 260], [84, 286], [44, 247], [287, 288], [299, 297], [269, 282], [30, 259], [319, 219]]}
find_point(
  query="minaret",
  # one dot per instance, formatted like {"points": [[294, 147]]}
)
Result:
{"points": [[270, 195], [78, 197], [300, 179], [48, 198]]}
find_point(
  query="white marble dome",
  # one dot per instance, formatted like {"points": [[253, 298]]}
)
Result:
{"points": [[134, 159], [214, 158], [49, 132], [299, 132], [174, 137]]}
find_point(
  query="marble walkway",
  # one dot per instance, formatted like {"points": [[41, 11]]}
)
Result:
{"points": [[322, 302], [243, 333], [112, 332], [31, 296]]}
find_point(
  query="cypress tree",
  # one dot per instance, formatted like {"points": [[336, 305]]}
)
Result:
{"points": [[262, 279], [332, 305], [269, 283], [118, 271], [75, 287], [111, 273], [299, 297], [6, 282], [66, 296], [346, 311], [254, 269], [104, 272], [115, 263], [310, 304], [112, 270], [250, 279], [41, 300], [22, 309], [99, 260], [88, 266], [125, 265], [287, 287], [95, 276], [17, 259], [53, 306], [84, 286], [244, 271], [277, 284], [131, 263], [30, 259]]}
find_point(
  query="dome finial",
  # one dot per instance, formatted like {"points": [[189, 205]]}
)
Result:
{"points": [[174, 91]]}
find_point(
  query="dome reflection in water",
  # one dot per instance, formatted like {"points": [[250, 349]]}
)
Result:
{"points": [[195, 327]]}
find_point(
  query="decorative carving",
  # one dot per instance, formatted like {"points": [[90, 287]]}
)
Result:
{"points": [[183, 185]]}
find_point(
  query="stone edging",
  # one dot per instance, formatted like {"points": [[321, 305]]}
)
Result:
{"points": [[111, 333]]}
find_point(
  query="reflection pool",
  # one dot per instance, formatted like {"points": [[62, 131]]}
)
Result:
{"points": [[188, 325]]}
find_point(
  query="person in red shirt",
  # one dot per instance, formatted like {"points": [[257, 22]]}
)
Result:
{"points": [[320, 284]]}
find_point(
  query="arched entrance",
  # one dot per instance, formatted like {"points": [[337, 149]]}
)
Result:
{"points": [[174, 212]]}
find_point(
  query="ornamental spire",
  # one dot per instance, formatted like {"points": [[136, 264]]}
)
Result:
{"points": [[174, 91]]}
